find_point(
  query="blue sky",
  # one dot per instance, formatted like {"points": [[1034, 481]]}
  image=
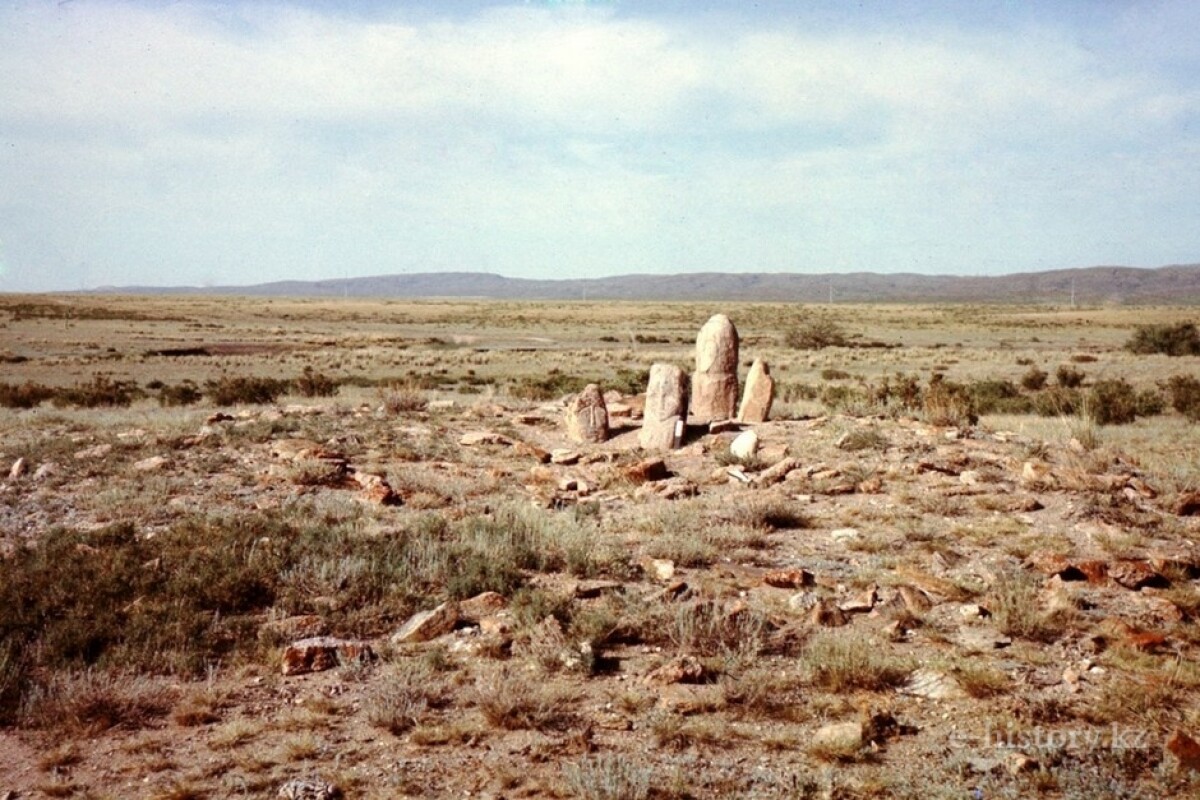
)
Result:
{"points": [[206, 143]]}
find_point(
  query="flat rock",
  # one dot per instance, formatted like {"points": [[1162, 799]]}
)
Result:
{"points": [[564, 457], [321, 653], [477, 438], [308, 789], [683, 669], [651, 469], [788, 578], [481, 605], [89, 453], [840, 737], [426, 625], [151, 464], [934, 685]]}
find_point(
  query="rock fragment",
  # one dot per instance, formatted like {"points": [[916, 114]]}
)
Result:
{"points": [[426, 625], [321, 653]]}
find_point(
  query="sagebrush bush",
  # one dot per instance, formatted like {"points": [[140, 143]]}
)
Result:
{"points": [[100, 391], [1184, 391], [1057, 402], [998, 397], [229, 390], [1034, 379], [1068, 377], [25, 395], [183, 394], [551, 387], [1112, 402], [1180, 339], [815, 335], [948, 404], [315, 384]]}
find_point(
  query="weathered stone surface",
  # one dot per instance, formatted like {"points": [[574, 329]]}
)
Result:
{"points": [[477, 438], [45, 471], [564, 456], [1185, 749], [531, 451], [151, 464], [308, 789], [426, 625], [481, 605], [683, 669], [934, 685], [844, 738], [744, 445], [788, 578], [376, 489], [99, 451], [322, 653], [666, 408], [17, 470], [1188, 505], [651, 469], [777, 471], [586, 416], [662, 569], [758, 395], [1135, 574], [289, 629], [826, 615], [715, 383]]}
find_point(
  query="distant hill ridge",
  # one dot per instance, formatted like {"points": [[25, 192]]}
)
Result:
{"points": [[1173, 284]]}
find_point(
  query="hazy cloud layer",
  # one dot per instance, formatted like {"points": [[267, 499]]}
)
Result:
{"points": [[146, 142]]}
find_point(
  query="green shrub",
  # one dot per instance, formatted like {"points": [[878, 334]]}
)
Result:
{"points": [[1057, 402], [1181, 339], [553, 386], [25, 395], [1068, 377], [100, 391], [315, 384], [1112, 402], [815, 335], [1184, 391], [185, 394], [1150, 403], [829, 374], [1034, 379], [998, 397], [228, 390]]}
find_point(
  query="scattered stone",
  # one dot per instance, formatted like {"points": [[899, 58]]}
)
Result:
{"points": [[802, 601], [744, 446], [934, 685], [476, 438], [45, 471], [1185, 749], [1188, 505], [683, 669], [99, 451], [723, 426], [843, 534], [687, 698], [481, 605], [1135, 574], [18, 469], [586, 416], [788, 578], [666, 408], [441, 405], [218, 417], [842, 737], [651, 469], [915, 601], [777, 472], [861, 604], [758, 394], [715, 383], [530, 451], [376, 489], [426, 625], [737, 473], [1017, 763], [321, 653], [564, 457], [826, 615], [661, 569], [308, 789], [595, 588], [977, 639], [151, 464], [501, 623]]}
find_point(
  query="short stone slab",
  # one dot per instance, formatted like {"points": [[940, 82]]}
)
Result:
{"points": [[426, 625], [321, 653]]}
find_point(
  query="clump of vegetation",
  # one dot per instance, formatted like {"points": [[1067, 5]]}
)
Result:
{"points": [[183, 394], [948, 404], [846, 660], [229, 390], [1057, 402], [830, 374], [100, 391], [1184, 391], [1180, 339], [315, 384], [551, 387], [1112, 402], [1068, 377], [609, 777], [868, 438], [25, 395], [998, 397], [403, 399], [1034, 379], [1016, 606], [815, 335]]}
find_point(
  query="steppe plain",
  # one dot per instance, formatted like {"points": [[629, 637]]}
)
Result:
{"points": [[921, 605]]}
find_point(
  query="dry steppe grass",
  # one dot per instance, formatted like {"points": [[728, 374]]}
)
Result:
{"points": [[978, 563]]}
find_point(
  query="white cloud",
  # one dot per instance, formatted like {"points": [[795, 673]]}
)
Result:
{"points": [[549, 141]]}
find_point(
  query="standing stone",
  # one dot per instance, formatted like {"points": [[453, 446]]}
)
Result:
{"points": [[758, 394], [587, 416], [666, 408], [715, 382]]}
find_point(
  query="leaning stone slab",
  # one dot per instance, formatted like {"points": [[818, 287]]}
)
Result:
{"points": [[758, 394], [426, 625]]}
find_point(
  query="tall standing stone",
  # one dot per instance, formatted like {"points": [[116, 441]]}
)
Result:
{"points": [[715, 382], [666, 408], [758, 394], [587, 416]]}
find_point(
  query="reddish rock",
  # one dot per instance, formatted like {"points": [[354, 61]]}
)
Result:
{"points": [[1186, 749], [426, 625], [481, 605], [1188, 505], [684, 669], [826, 615], [1135, 574], [788, 578], [530, 451], [322, 653], [652, 469], [375, 489]]}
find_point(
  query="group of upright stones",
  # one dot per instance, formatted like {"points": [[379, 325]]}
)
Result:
{"points": [[710, 397]]}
